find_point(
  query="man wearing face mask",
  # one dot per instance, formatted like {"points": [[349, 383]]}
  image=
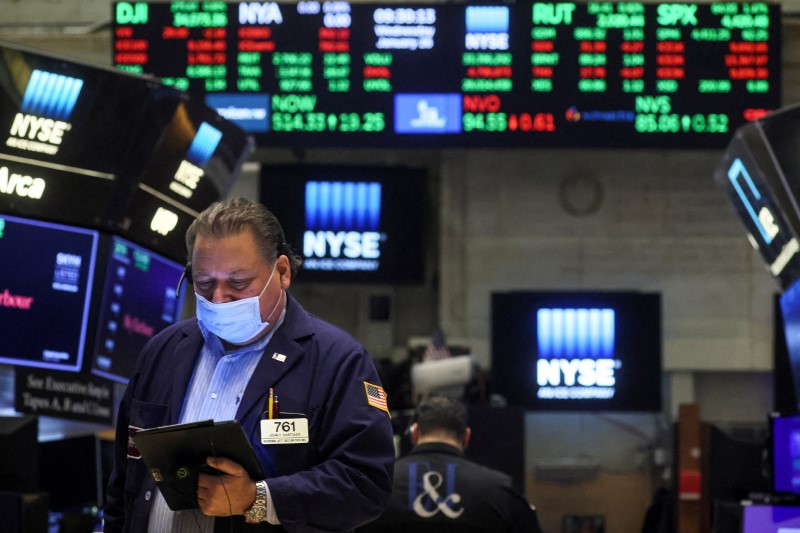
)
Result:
{"points": [[251, 338]]}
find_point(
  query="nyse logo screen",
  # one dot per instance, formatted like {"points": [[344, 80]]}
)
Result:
{"points": [[576, 349], [43, 117], [343, 226], [190, 171]]}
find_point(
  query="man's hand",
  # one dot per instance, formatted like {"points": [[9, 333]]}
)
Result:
{"points": [[230, 493]]}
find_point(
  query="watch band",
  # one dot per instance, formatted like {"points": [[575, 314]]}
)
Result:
{"points": [[258, 512]]}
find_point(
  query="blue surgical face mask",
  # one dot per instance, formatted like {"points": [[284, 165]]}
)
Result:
{"points": [[237, 321]]}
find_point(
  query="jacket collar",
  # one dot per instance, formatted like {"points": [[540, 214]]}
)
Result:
{"points": [[436, 447]]}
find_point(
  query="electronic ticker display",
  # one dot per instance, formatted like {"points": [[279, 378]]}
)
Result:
{"points": [[524, 74]]}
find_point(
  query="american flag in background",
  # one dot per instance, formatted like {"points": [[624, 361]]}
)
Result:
{"points": [[376, 397]]}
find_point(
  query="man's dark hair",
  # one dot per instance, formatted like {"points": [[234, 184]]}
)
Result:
{"points": [[440, 413], [230, 217]]}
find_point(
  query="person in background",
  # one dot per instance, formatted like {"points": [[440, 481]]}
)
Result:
{"points": [[250, 338], [437, 489]]}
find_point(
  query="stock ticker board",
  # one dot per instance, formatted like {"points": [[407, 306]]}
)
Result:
{"points": [[522, 74]]}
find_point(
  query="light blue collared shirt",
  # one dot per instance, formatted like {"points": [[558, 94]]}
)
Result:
{"points": [[215, 390]]}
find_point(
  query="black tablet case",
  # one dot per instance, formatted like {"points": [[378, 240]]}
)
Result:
{"points": [[176, 454]]}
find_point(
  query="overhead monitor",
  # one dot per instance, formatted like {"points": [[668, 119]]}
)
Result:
{"points": [[139, 299], [760, 171], [578, 351], [74, 137], [102, 148], [46, 281], [196, 162], [351, 223], [436, 75]]}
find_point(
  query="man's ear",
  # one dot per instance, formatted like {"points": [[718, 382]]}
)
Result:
{"points": [[465, 438], [284, 269], [414, 435]]}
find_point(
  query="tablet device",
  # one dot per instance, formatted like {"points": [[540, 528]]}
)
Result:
{"points": [[176, 454]]}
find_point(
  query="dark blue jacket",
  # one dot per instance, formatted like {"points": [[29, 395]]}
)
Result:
{"points": [[438, 490], [340, 479]]}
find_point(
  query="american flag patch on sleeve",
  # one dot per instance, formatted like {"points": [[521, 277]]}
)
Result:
{"points": [[376, 397]]}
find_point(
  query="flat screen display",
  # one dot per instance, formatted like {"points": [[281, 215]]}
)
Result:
{"points": [[139, 300], [70, 471], [770, 519], [46, 276], [19, 454], [578, 351], [352, 224], [789, 302], [196, 162], [74, 137], [759, 171], [785, 438], [514, 74]]}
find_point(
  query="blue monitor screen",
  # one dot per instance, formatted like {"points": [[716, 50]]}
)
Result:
{"points": [[139, 300], [785, 453], [352, 224], [771, 519], [790, 313], [46, 276], [578, 351]]}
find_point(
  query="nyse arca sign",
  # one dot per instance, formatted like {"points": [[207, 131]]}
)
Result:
{"points": [[22, 185]]}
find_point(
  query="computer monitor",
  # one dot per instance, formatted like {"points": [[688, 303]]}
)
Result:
{"points": [[735, 462], [790, 315], [770, 519], [785, 453], [19, 454], [46, 282], [140, 298], [70, 471]]}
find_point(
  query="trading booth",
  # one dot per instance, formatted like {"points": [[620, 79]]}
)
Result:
{"points": [[101, 173]]}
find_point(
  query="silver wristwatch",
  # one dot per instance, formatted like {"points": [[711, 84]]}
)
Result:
{"points": [[258, 512]]}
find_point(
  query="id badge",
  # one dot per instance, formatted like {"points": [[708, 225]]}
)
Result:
{"points": [[284, 431]]}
